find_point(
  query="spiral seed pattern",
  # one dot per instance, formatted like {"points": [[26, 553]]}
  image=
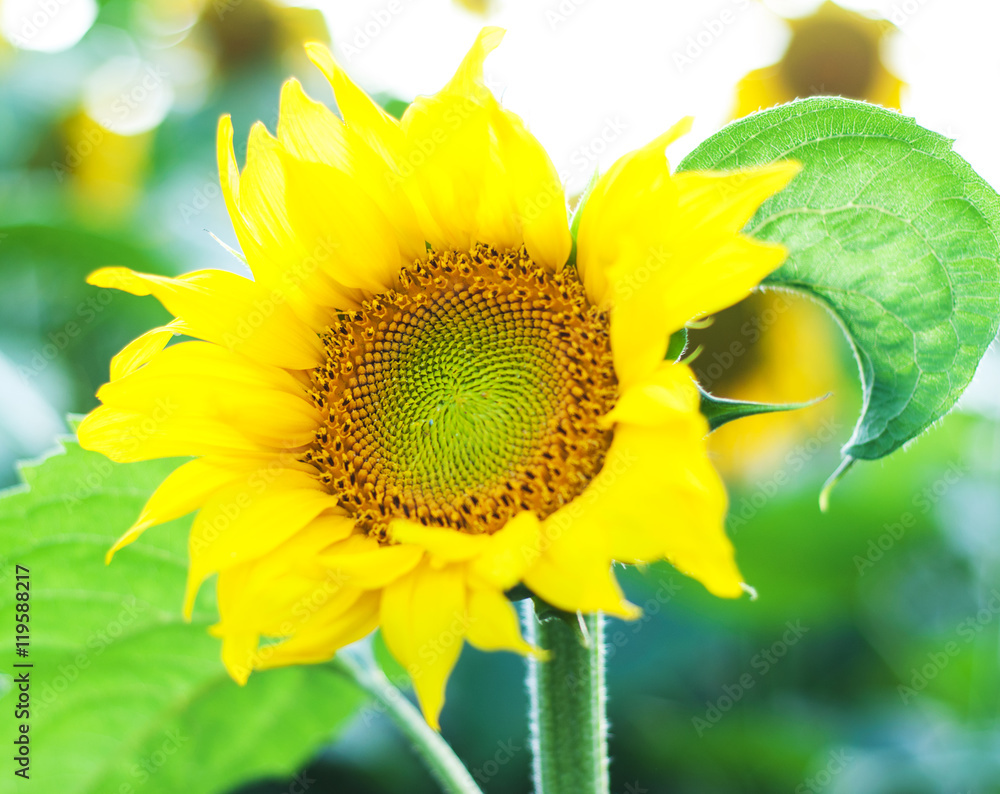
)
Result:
{"points": [[467, 395]]}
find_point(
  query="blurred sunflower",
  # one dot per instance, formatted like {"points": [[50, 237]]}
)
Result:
{"points": [[775, 347], [481, 7], [425, 397], [108, 168], [832, 52], [244, 33]]}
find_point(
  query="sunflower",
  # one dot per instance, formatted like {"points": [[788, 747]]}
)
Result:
{"points": [[833, 52], [428, 395]]}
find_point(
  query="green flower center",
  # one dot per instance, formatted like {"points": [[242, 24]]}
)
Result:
{"points": [[466, 396]]}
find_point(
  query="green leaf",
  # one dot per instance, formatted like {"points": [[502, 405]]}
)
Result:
{"points": [[574, 221], [392, 105], [895, 234], [126, 696], [678, 343], [719, 411]]}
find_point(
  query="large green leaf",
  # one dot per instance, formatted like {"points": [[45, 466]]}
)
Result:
{"points": [[126, 696], [895, 234]]}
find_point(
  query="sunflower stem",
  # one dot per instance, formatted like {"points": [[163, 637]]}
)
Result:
{"points": [[436, 753], [569, 727]]}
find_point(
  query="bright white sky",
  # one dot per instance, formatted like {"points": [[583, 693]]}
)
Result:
{"points": [[582, 70]]}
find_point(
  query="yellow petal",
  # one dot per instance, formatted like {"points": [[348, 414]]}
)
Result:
{"points": [[661, 250], [306, 612], [646, 312], [255, 201], [657, 496], [221, 307], [186, 489], [239, 651], [508, 552], [573, 568], [723, 201], [447, 545], [760, 89], [336, 219], [669, 395], [493, 624], [468, 78], [444, 161], [279, 592], [376, 128], [474, 172], [424, 620], [363, 563], [125, 435], [309, 131], [143, 348], [247, 520], [637, 182], [201, 381], [319, 642], [536, 190]]}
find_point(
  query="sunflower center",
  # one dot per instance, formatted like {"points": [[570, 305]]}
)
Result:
{"points": [[469, 394], [830, 57]]}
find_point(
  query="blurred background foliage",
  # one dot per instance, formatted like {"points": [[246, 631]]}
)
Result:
{"points": [[867, 664]]}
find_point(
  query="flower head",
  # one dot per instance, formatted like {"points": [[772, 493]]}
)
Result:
{"points": [[833, 51], [419, 401]]}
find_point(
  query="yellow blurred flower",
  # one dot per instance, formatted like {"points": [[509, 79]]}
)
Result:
{"points": [[833, 52], [107, 169], [481, 7], [258, 30], [235, 33], [421, 401], [792, 343]]}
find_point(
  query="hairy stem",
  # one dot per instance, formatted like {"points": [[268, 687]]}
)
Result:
{"points": [[569, 729]]}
